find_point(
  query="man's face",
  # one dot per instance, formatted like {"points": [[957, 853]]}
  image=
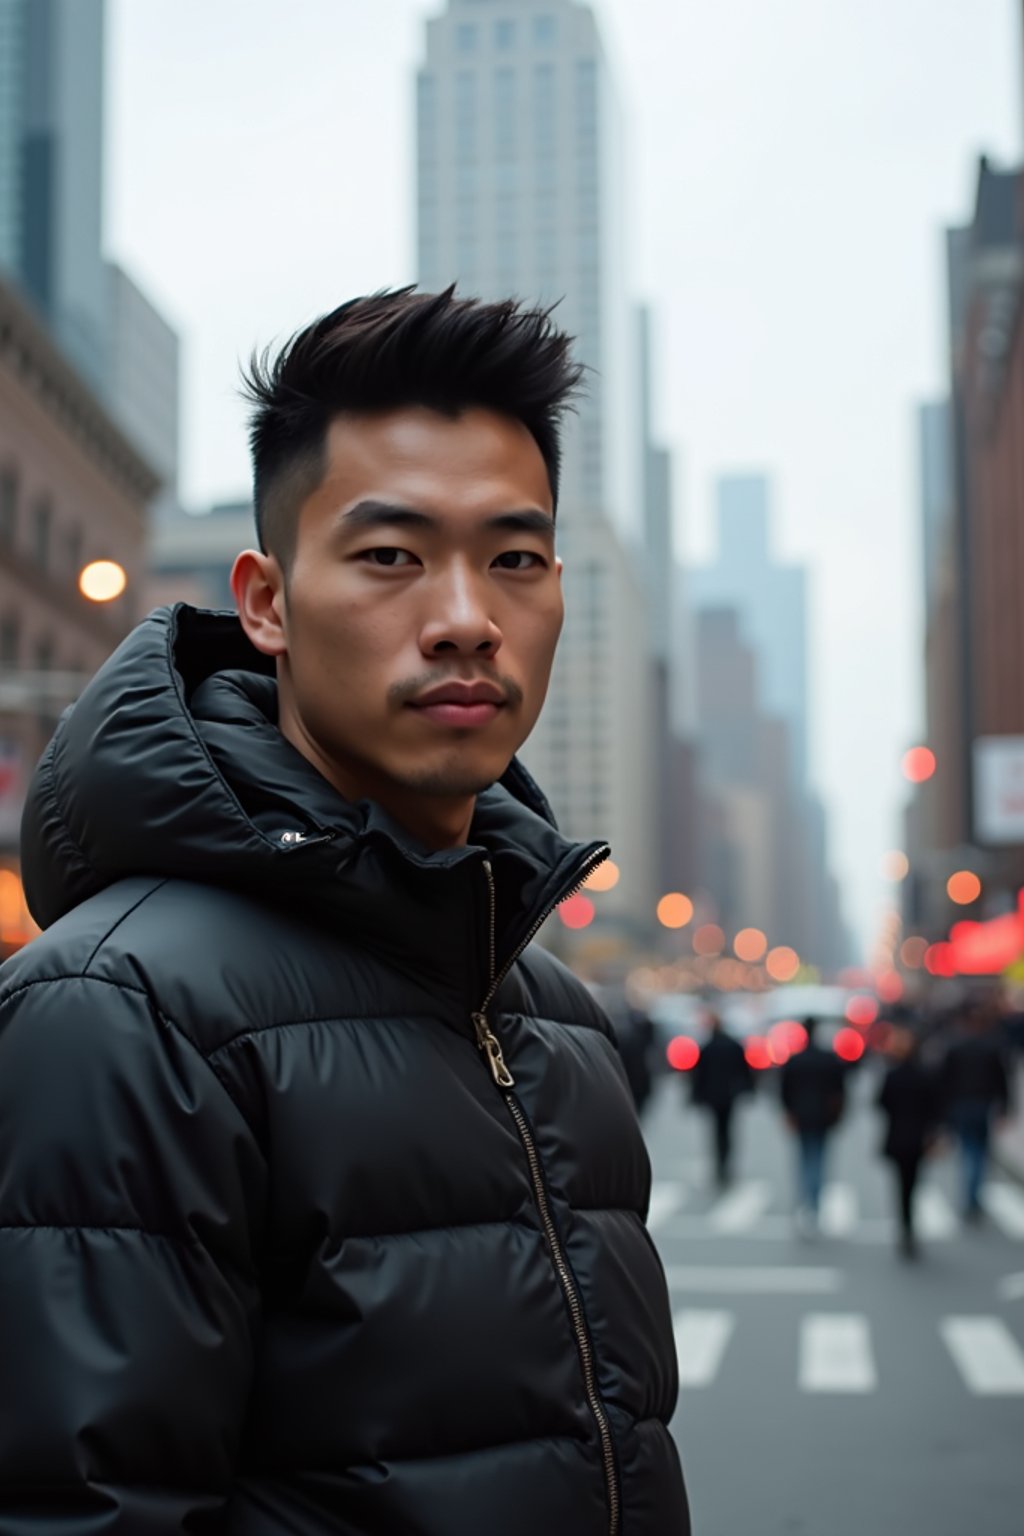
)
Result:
{"points": [[423, 605]]}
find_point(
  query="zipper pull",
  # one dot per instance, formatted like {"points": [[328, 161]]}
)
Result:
{"points": [[489, 1043]]}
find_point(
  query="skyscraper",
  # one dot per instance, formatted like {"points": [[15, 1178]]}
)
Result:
{"points": [[51, 222], [770, 598], [520, 192], [51, 168]]}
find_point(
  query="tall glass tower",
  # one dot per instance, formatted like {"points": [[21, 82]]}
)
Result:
{"points": [[51, 168], [520, 192]]}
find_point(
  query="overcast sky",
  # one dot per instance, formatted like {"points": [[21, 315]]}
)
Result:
{"points": [[793, 164]]}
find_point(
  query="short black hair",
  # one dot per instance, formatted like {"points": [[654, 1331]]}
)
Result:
{"points": [[392, 349]]}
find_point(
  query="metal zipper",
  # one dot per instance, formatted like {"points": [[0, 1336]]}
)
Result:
{"points": [[491, 1047]]}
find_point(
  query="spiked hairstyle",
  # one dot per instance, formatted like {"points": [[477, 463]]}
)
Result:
{"points": [[393, 349]]}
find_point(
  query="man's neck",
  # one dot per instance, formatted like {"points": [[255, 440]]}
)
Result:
{"points": [[437, 821]]}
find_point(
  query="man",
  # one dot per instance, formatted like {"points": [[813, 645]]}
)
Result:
{"points": [[321, 1194], [813, 1095], [975, 1089], [720, 1077], [908, 1100]]}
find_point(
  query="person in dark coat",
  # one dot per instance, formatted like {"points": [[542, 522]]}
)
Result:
{"points": [[813, 1096], [322, 1193], [975, 1088], [908, 1098], [721, 1076]]}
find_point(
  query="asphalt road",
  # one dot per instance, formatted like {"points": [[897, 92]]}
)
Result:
{"points": [[829, 1388]]}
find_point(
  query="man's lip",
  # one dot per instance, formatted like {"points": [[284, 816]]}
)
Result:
{"points": [[463, 694]]}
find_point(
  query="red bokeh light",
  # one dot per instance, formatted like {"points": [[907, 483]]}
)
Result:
{"points": [[939, 961], [683, 1053], [862, 1011], [919, 764], [577, 912], [849, 1045], [890, 986], [757, 1053]]}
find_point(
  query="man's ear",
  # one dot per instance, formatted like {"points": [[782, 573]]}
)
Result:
{"points": [[258, 585]]}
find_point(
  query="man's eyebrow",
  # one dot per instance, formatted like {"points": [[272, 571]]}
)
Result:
{"points": [[386, 514]]}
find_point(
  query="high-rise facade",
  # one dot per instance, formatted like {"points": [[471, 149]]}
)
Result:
{"points": [[51, 168], [51, 222], [770, 598], [520, 193], [753, 738]]}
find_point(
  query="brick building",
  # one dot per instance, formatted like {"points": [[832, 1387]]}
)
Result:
{"points": [[72, 490]]}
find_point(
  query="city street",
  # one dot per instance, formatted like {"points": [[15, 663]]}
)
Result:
{"points": [[827, 1387]]}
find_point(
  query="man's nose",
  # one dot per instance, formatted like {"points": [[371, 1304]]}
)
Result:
{"points": [[460, 618]]}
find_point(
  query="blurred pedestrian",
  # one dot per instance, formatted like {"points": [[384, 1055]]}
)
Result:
{"points": [[908, 1097], [719, 1079], [975, 1088], [318, 1183], [813, 1097]]}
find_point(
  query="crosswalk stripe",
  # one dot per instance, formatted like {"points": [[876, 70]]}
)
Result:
{"points": [[701, 1339], [986, 1354], [1006, 1207], [741, 1207], [838, 1209], [835, 1354], [666, 1199], [933, 1215], [754, 1280]]}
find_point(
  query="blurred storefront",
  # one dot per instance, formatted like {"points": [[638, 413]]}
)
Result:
{"points": [[73, 491], [969, 815]]}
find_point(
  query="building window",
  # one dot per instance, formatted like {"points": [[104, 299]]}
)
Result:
{"points": [[505, 114], [505, 35], [545, 30], [44, 654], [465, 115], [10, 637], [8, 505], [545, 120], [42, 527], [465, 37], [73, 547]]}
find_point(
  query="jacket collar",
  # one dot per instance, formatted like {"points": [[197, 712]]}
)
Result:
{"points": [[171, 764]]}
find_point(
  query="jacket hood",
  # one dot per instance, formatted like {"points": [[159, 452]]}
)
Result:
{"points": [[171, 764]]}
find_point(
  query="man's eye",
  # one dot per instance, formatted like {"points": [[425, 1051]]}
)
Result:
{"points": [[388, 556], [519, 560]]}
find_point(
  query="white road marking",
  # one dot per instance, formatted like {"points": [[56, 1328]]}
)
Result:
{"points": [[753, 1280], [741, 1207], [986, 1354], [838, 1210], [666, 1200], [701, 1339], [1011, 1287], [934, 1217], [835, 1354], [1006, 1207]]}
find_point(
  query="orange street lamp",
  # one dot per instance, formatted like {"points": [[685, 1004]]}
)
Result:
{"points": [[604, 878], [102, 580], [750, 945], [895, 866], [782, 963], [964, 887], [675, 910]]}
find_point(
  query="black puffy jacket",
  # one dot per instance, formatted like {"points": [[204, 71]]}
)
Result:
{"points": [[321, 1201]]}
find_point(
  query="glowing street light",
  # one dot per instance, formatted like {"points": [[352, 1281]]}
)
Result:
{"points": [[102, 580], [750, 945], [964, 887], [708, 941], [782, 963], [675, 910], [604, 878], [919, 764], [576, 912]]}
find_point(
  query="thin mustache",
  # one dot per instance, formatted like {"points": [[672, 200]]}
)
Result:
{"points": [[406, 692]]}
